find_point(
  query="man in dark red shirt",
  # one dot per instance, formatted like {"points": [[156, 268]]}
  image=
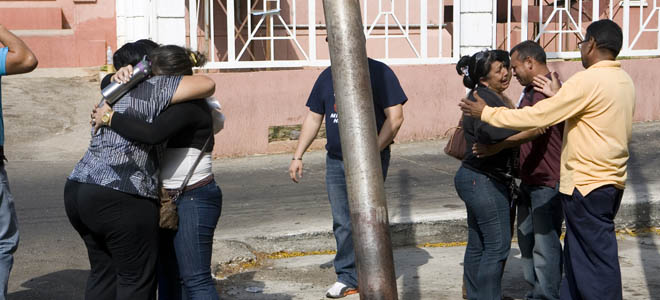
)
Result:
{"points": [[539, 208]]}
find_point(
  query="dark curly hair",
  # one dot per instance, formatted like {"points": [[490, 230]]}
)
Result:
{"points": [[475, 67]]}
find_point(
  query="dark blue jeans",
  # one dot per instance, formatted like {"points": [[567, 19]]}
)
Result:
{"points": [[591, 257], [489, 233], [335, 182], [185, 267], [539, 228]]}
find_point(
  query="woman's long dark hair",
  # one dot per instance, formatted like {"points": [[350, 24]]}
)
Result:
{"points": [[476, 67], [175, 60]]}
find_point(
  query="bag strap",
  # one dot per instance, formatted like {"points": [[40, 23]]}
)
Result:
{"points": [[194, 166], [459, 126]]}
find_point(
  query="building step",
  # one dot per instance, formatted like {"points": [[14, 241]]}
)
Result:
{"points": [[33, 18], [42, 32], [63, 48]]}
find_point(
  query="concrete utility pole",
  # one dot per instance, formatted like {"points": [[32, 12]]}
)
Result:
{"points": [[359, 144]]}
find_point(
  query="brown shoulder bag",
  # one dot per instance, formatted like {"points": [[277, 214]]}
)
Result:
{"points": [[456, 144], [169, 218]]}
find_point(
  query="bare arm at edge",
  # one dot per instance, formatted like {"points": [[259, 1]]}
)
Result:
{"points": [[20, 58]]}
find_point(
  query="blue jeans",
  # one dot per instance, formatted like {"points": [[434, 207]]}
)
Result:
{"points": [[489, 233], [185, 267], [539, 228], [8, 231], [335, 182]]}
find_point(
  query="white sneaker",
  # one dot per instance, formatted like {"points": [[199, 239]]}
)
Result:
{"points": [[340, 290]]}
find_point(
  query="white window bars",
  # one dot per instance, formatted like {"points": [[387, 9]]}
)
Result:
{"points": [[270, 34], [560, 29]]}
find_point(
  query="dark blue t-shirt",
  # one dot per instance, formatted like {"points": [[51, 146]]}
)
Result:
{"points": [[386, 92]]}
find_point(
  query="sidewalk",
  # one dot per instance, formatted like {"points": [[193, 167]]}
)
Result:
{"points": [[265, 213], [429, 273]]}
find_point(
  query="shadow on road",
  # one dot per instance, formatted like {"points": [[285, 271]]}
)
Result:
{"points": [[60, 285], [416, 257], [650, 253]]}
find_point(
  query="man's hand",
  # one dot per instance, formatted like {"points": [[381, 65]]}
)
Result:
{"points": [[473, 108], [296, 170], [310, 128], [481, 150], [548, 87]]}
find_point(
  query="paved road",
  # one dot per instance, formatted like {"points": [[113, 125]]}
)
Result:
{"points": [[259, 199]]}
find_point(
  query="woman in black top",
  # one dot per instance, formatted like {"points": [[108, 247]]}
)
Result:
{"points": [[185, 254], [483, 183]]}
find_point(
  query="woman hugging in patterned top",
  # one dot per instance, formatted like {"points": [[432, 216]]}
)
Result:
{"points": [[111, 197]]}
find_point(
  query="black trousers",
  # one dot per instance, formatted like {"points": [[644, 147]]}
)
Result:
{"points": [[120, 232], [591, 260]]}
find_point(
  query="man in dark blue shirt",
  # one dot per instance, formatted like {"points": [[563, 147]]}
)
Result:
{"points": [[388, 100]]}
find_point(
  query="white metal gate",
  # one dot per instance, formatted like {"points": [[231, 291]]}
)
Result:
{"points": [[248, 22], [570, 18]]}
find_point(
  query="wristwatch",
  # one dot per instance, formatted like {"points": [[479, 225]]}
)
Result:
{"points": [[107, 116]]}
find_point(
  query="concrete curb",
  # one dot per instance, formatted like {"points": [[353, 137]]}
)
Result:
{"points": [[228, 252], [434, 214]]}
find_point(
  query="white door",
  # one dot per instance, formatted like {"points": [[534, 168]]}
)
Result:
{"points": [[162, 21]]}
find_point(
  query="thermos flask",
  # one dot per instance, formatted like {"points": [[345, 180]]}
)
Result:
{"points": [[116, 90]]}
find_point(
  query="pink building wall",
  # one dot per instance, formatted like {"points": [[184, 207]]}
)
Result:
{"points": [[254, 101], [64, 33]]}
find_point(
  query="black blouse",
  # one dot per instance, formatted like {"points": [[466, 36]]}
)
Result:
{"points": [[185, 125], [501, 165]]}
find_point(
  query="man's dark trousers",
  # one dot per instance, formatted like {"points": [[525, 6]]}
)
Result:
{"points": [[591, 258]]}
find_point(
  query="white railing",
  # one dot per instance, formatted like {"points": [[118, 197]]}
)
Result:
{"points": [[566, 24], [266, 24]]}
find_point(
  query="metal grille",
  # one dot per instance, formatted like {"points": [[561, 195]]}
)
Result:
{"points": [[560, 25], [286, 33]]}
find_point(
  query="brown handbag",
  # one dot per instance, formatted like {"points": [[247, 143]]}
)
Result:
{"points": [[169, 218], [456, 144]]}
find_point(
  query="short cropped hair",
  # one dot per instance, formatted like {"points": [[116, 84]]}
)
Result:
{"points": [[530, 49], [606, 34]]}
